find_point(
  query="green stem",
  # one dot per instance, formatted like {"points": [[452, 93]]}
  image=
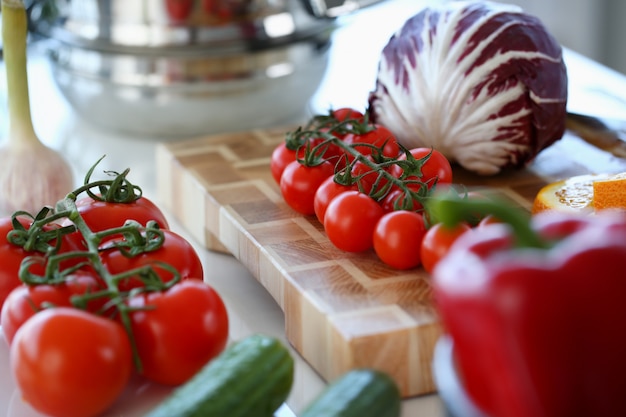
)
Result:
{"points": [[451, 210], [14, 34]]}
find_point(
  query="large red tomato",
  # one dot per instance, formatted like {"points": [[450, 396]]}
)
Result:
{"points": [[100, 215], [70, 363], [11, 257], [180, 331], [176, 252], [24, 301], [27, 300]]}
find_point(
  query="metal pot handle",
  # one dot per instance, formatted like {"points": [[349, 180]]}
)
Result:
{"points": [[335, 8]]}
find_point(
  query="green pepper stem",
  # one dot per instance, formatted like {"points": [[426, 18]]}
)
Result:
{"points": [[451, 210], [14, 33]]}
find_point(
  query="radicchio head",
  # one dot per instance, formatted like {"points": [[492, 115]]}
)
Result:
{"points": [[484, 83]]}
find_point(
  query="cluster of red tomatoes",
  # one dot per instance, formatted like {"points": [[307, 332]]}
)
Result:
{"points": [[89, 299], [366, 189]]}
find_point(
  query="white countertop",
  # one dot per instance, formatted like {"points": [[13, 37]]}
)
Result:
{"points": [[351, 74]]}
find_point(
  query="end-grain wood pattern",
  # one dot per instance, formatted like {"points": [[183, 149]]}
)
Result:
{"points": [[341, 310]]}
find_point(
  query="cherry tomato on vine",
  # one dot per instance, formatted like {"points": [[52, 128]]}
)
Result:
{"points": [[176, 251], [328, 190], [398, 238], [436, 167], [368, 180], [395, 200], [437, 242], [281, 157], [345, 113], [27, 300], [380, 137], [12, 256], [187, 327], [299, 183], [101, 215], [70, 363], [24, 301], [350, 221]]}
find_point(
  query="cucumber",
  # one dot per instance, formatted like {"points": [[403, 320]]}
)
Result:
{"points": [[357, 393], [252, 377]]}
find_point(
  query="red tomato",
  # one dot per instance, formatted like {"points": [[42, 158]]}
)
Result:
{"points": [[437, 167], [395, 200], [398, 238], [11, 257], [281, 157], [437, 241], [299, 183], [85, 282], [345, 113], [24, 301], [176, 251], [100, 215], [328, 190], [187, 327], [380, 137], [70, 363], [350, 221], [179, 9], [27, 300], [367, 179]]}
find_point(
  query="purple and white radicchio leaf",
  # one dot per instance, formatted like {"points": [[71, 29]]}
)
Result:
{"points": [[484, 83]]}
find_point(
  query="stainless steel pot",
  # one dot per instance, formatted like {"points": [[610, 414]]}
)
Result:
{"points": [[178, 68]]}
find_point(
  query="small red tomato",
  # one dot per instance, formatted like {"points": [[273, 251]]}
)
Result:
{"points": [[379, 137], [368, 180], [325, 193], [299, 183], [345, 113], [281, 157], [71, 363], [437, 241], [435, 169], [180, 330], [398, 239], [396, 200], [350, 221]]}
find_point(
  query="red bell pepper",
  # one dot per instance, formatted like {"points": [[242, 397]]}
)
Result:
{"points": [[536, 309]]}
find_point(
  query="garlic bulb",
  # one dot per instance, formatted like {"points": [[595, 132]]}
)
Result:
{"points": [[32, 175]]}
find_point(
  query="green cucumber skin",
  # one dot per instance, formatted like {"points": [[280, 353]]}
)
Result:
{"points": [[357, 393], [253, 377]]}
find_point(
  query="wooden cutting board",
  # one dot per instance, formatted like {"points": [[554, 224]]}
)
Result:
{"points": [[341, 310]]}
